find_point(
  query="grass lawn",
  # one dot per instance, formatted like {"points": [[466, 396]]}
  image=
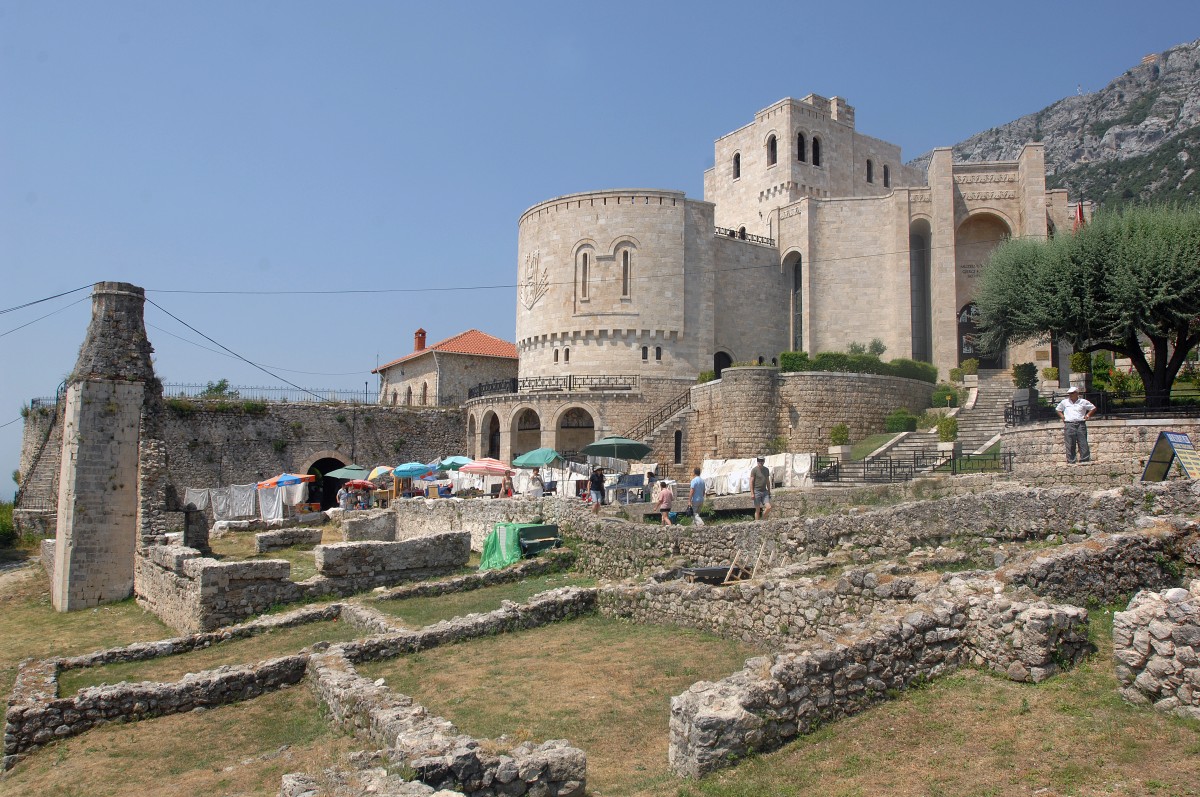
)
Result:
{"points": [[977, 734], [241, 749], [603, 684], [239, 545], [864, 447], [420, 612], [279, 642], [31, 628]]}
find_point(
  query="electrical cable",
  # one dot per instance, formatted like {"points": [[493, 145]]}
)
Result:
{"points": [[48, 298], [276, 367], [10, 423], [47, 315], [234, 353]]}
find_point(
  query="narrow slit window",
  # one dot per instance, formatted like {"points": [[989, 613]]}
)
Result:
{"points": [[626, 275], [583, 276], [658, 352], [887, 177], [816, 151], [645, 352], [801, 148], [772, 151], [870, 171], [737, 165], [566, 355]]}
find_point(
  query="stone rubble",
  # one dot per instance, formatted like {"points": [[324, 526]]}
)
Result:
{"points": [[1156, 645]]}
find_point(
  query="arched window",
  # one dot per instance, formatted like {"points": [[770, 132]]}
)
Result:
{"points": [[801, 148], [772, 150], [645, 352], [556, 355], [737, 165], [583, 275], [658, 352], [760, 359], [566, 355], [870, 171], [408, 395], [816, 147], [742, 233], [424, 393], [626, 273], [394, 396], [798, 305], [887, 177]]}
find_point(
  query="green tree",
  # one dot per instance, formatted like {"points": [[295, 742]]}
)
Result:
{"points": [[1128, 279]]}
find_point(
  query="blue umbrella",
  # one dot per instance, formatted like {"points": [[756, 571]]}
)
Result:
{"points": [[411, 470]]}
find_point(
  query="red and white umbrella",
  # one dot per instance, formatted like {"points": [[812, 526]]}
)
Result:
{"points": [[487, 467]]}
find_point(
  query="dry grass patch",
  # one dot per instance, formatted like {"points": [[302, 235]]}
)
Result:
{"points": [[277, 642], [31, 628], [976, 734], [603, 684], [420, 612], [239, 546], [240, 749]]}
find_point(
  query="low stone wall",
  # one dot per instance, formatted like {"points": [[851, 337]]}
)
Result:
{"points": [[266, 541], [35, 522], [552, 561], [36, 717], [611, 548], [192, 592], [773, 699], [222, 527], [1119, 447], [1156, 644], [371, 781], [1105, 567]]}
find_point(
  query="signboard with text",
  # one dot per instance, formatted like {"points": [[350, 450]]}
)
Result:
{"points": [[1169, 447]]}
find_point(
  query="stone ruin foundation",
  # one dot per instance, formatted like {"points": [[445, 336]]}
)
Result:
{"points": [[848, 608], [1156, 644]]}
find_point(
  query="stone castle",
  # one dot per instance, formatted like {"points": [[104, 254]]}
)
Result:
{"points": [[810, 236]]}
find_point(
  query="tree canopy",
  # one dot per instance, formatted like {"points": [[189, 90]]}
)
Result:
{"points": [[1127, 280]]}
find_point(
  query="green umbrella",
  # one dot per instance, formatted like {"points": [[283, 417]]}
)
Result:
{"points": [[453, 463], [349, 472], [617, 448], [537, 458]]}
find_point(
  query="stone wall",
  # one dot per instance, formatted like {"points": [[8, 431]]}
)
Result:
{"points": [[189, 591], [774, 699], [266, 541], [1156, 644], [1120, 448]]}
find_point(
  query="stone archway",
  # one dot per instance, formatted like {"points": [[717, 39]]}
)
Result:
{"points": [[575, 428], [526, 432], [974, 241], [324, 489], [721, 361], [490, 427], [472, 438]]}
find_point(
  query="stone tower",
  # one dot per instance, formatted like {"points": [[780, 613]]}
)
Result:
{"points": [[98, 485]]}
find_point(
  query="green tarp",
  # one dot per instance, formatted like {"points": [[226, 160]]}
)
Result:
{"points": [[502, 547]]}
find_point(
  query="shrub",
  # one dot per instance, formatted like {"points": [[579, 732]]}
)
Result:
{"points": [[794, 361], [778, 445], [856, 348], [218, 389], [948, 429], [944, 395], [181, 406], [969, 367], [1081, 362], [1050, 374], [901, 420], [839, 435], [707, 376], [279, 446], [254, 407], [1024, 375], [842, 362], [876, 347], [8, 531], [956, 374], [914, 369]]}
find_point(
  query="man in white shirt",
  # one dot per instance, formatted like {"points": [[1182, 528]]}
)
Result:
{"points": [[1075, 412], [696, 497]]}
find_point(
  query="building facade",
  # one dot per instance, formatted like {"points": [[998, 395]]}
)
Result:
{"points": [[444, 373], [811, 236]]}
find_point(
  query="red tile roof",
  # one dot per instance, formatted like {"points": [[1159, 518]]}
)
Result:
{"points": [[480, 344]]}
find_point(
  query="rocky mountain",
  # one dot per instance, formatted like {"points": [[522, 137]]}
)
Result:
{"points": [[1136, 139]]}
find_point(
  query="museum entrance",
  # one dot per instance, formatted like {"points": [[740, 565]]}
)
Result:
{"points": [[968, 340]]}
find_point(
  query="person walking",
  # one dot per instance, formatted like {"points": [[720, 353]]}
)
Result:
{"points": [[1075, 411], [344, 498], [696, 497], [596, 488], [536, 485], [666, 496], [760, 487]]}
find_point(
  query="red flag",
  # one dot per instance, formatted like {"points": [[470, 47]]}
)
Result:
{"points": [[1079, 222]]}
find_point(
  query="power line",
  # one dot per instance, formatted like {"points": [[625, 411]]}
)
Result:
{"points": [[47, 315], [48, 298], [276, 367], [234, 353], [10, 423], [513, 285]]}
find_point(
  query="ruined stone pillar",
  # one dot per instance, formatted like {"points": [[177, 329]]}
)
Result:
{"points": [[98, 484]]}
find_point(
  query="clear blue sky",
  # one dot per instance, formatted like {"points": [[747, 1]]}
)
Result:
{"points": [[289, 145]]}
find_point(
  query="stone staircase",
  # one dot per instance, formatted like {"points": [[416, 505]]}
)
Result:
{"points": [[980, 423], [40, 486]]}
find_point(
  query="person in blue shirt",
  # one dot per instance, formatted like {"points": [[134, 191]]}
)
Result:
{"points": [[696, 497]]}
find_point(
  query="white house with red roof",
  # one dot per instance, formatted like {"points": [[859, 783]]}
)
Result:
{"points": [[442, 374]]}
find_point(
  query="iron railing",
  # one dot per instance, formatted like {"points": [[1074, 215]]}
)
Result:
{"points": [[742, 235], [982, 463], [651, 422], [1108, 405], [288, 394], [555, 384], [885, 470]]}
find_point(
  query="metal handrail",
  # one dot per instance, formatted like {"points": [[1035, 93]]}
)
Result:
{"points": [[643, 429], [555, 384], [741, 235], [1108, 404]]}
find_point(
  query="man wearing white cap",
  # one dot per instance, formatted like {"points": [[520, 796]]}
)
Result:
{"points": [[1075, 412]]}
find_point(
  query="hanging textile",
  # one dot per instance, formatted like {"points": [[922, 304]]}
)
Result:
{"points": [[222, 503], [197, 497], [242, 497], [270, 503], [294, 494]]}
